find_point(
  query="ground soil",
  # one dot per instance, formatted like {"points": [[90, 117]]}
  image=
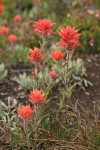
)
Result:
{"points": [[92, 93]]}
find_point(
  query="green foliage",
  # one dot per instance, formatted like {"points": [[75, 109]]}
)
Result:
{"points": [[19, 55], [3, 72], [97, 2], [79, 74], [26, 82], [10, 122], [93, 33], [88, 25]]}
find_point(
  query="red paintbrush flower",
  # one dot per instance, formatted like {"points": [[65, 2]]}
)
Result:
{"points": [[36, 96], [53, 74], [69, 38], [25, 111], [43, 27], [12, 38], [4, 30], [57, 55], [34, 74], [17, 18], [35, 56], [1, 9]]}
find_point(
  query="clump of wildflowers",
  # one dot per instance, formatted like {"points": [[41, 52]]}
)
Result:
{"points": [[69, 39]]}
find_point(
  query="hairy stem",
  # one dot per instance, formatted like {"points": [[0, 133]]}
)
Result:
{"points": [[26, 133]]}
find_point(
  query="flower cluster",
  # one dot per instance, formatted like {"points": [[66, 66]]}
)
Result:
{"points": [[17, 18], [36, 96], [12, 38], [4, 31], [25, 111], [69, 38], [43, 27], [53, 74], [57, 55], [35, 56]]}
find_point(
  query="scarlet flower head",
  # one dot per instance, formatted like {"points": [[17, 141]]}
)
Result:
{"points": [[57, 55], [12, 38], [25, 111], [53, 74], [4, 31], [43, 27], [1, 9], [34, 74], [35, 56], [17, 18], [36, 96], [69, 38]]}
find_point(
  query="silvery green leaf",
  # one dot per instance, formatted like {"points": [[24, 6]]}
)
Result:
{"points": [[3, 72]]}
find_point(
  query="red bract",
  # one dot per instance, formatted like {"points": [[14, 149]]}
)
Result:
{"points": [[34, 74], [53, 74], [57, 55], [17, 18], [69, 38], [35, 56], [25, 111], [1, 9], [36, 96], [12, 38], [43, 27], [4, 30]]}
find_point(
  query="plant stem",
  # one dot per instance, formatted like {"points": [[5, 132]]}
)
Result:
{"points": [[26, 133], [36, 125], [37, 76]]}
